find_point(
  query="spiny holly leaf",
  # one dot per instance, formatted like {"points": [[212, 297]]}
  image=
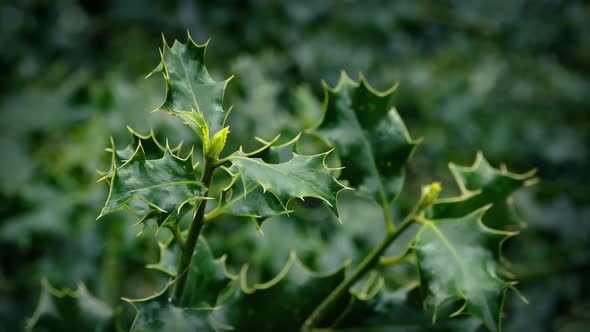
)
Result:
{"points": [[158, 314], [249, 201], [282, 303], [276, 153], [457, 260], [207, 277], [165, 184], [252, 201], [302, 176], [191, 93], [152, 148], [369, 136], [66, 310], [169, 256], [481, 184]]}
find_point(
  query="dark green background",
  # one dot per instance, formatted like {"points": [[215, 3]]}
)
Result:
{"points": [[510, 78]]}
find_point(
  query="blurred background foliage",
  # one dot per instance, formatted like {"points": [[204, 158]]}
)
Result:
{"points": [[510, 78]]}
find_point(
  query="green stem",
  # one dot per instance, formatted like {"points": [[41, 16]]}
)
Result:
{"points": [[193, 234], [428, 197], [370, 261]]}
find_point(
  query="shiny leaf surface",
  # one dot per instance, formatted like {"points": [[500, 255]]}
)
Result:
{"points": [[247, 201], [165, 184], [300, 177], [369, 136], [191, 93], [458, 260]]}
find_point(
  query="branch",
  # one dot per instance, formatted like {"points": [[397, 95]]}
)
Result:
{"points": [[193, 234]]}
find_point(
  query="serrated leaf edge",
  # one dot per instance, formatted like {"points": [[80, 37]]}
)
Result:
{"points": [[286, 204], [247, 189], [479, 159], [479, 213], [138, 150], [345, 79], [161, 67], [291, 261]]}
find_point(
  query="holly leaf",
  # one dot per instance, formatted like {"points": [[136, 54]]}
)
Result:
{"points": [[481, 184], [191, 93], [377, 307], [152, 148], [301, 176], [458, 260], [284, 302], [207, 283], [169, 256], [274, 153], [207, 278], [252, 201], [249, 201], [67, 310], [165, 184], [158, 314], [369, 136]]}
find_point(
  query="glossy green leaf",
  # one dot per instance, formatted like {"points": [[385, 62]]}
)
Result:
{"points": [[369, 136], [458, 260], [67, 310], [191, 93], [165, 184], [274, 153], [480, 184], [300, 177], [252, 201], [282, 303], [249, 201]]}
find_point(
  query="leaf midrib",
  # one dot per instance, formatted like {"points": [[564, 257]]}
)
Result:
{"points": [[370, 153], [165, 184], [448, 245], [190, 84]]}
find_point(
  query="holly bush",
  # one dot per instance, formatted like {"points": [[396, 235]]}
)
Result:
{"points": [[447, 248], [506, 78]]}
